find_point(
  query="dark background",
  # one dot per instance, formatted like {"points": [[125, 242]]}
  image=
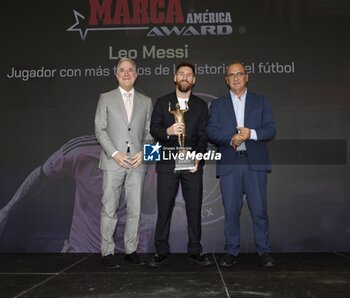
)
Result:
{"points": [[309, 185]]}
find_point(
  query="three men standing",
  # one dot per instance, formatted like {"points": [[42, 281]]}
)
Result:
{"points": [[240, 123]]}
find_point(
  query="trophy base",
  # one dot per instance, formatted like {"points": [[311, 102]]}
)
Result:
{"points": [[184, 164]]}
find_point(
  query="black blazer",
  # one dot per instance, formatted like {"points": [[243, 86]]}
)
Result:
{"points": [[196, 120]]}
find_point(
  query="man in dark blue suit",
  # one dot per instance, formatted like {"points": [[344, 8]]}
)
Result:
{"points": [[240, 124]]}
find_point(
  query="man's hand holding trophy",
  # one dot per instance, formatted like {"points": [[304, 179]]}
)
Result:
{"points": [[179, 128]]}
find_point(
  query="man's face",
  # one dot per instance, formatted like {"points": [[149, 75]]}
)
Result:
{"points": [[237, 79], [184, 79], [126, 75]]}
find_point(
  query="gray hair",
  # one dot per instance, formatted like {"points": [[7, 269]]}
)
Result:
{"points": [[128, 60]]}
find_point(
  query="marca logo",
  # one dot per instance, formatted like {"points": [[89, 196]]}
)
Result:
{"points": [[156, 17]]}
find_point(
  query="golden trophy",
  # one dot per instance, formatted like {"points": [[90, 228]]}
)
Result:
{"points": [[182, 161]]}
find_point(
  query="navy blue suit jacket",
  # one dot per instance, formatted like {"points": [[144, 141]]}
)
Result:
{"points": [[222, 126]]}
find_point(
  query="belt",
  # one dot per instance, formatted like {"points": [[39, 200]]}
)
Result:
{"points": [[242, 153]]}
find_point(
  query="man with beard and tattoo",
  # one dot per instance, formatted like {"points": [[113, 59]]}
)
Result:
{"points": [[166, 132]]}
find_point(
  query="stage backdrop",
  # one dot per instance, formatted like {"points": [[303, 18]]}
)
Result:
{"points": [[58, 56]]}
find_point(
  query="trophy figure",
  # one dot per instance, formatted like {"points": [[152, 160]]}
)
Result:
{"points": [[181, 164], [179, 118]]}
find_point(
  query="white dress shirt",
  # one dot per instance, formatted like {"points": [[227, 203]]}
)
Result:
{"points": [[239, 108], [183, 102]]}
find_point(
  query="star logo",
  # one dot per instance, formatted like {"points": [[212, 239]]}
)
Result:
{"points": [[151, 152], [81, 25], [156, 147]]}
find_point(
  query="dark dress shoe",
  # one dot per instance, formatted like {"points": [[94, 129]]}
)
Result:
{"points": [[109, 261], [158, 260], [134, 258], [266, 260], [228, 260], [200, 260]]}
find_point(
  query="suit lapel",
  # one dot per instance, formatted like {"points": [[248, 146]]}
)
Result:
{"points": [[247, 109], [191, 109], [173, 101], [136, 106], [230, 110], [120, 106]]}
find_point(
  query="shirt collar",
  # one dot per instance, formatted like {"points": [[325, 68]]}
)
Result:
{"points": [[235, 97], [122, 91]]}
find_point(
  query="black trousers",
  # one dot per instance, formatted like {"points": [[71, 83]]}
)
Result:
{"points": [[192, 191]]}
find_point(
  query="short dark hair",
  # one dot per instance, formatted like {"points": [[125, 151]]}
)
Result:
{"points": [[185, 64]]}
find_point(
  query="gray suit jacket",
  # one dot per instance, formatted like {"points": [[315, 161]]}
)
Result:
{"points": [[113, 130]]}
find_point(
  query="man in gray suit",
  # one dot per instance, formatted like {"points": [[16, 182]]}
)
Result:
{"points": [[122, 124]]}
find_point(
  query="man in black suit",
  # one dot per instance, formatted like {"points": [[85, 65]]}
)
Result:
{"points": [[166, 132]]}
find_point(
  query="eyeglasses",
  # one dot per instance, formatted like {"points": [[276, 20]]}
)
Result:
{"points": [[237, 75]]}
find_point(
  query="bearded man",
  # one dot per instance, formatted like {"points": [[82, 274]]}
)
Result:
{"points": [[166, 131]]}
